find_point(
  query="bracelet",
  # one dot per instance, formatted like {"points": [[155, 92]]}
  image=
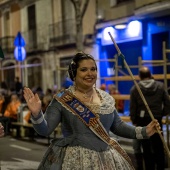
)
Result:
{"points": [[138, 131]]}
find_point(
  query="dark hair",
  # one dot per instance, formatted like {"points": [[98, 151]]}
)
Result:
{"points": [[144, 73], [74, 64]]}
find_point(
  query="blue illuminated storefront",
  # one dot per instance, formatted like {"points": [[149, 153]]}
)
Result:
{"points": [[139, 39], [129, 41]]}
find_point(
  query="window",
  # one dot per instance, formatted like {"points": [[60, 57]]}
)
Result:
{"points": [[32, 26], [6, 24]]}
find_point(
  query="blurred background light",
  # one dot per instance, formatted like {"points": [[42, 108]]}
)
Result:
{"points": [[106, 36], [134, 28], [120, 26]]}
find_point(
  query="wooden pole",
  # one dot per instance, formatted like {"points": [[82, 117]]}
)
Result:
{"points": [[141, 94], [166, 86]]}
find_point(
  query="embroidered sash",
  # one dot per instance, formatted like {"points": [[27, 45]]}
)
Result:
{"points": [[89, 119]]}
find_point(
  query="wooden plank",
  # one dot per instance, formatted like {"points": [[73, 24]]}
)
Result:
{"points": [[22, 124], [19, 125], [153, 61], [120, 78], [128, 78], [127, 119], [101, 60], [167, 51], [121, 97]]}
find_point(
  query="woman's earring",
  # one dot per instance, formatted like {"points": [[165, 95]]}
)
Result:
{"points": [[94, 85], [74, 84]]}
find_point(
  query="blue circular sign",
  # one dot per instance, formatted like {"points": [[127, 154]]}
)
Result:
{"points": [[20, 53]]}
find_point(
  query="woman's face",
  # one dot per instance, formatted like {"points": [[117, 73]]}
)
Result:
{"points": [[86, 74]]}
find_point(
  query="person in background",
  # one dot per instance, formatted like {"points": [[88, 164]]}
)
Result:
{"points": [[119, 103], [46, 101], [40, 92], [27, 117], [86, 114], [4, 88], [12, 108], [55, 89], [4, 120], [1, 130], [49, 92], [158, 101], [2, 102], [103, 87], [18, 86], [168, 90]]}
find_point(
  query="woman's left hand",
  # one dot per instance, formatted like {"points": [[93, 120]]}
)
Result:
{"points": [[152, 127]]}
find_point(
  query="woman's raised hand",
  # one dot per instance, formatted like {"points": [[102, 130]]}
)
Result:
{"points": [[152, 127], [33, 101]]}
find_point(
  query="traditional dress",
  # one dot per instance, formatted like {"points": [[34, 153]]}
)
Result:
{"points": [[80, 148]]}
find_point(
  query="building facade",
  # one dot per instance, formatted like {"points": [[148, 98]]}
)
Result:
{"points": [[48, 28]]}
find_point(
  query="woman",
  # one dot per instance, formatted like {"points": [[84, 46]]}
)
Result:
{"points": [[86, 115]]}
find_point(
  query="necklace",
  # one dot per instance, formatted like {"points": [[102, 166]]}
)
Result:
{"points": [[85, 95]]}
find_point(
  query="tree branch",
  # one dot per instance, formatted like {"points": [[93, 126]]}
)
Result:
{"points": [[74, 3], [77, 4], [84, 8]]}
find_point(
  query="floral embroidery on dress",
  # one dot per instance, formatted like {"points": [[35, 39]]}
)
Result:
{"points": [[79, 158]]}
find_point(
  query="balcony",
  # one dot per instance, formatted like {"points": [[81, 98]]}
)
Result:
{"points": [[62, 33], [57, 35], [7, 44]]}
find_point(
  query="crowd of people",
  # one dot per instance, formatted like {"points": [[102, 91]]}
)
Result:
{"points": [[12, 103], [9, 103]]}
